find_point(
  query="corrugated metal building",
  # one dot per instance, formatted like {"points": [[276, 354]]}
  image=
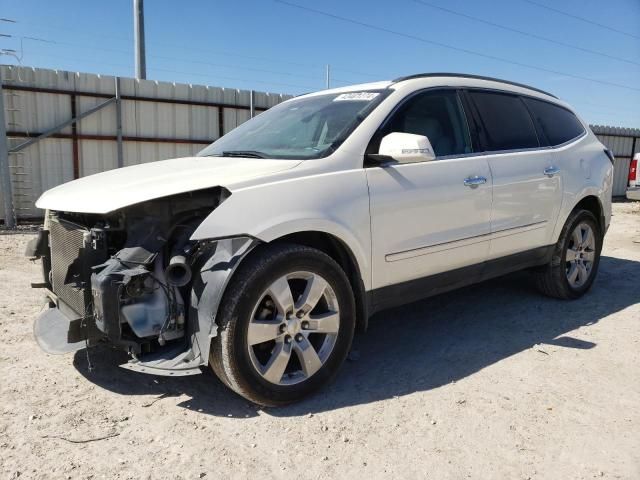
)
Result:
{"points": [[624, 143], [159, 120]]}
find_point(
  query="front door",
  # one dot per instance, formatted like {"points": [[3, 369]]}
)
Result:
{"points": [[431, 217]]}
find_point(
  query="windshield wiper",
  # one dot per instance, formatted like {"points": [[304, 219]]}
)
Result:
{"points": [[244, 153]]}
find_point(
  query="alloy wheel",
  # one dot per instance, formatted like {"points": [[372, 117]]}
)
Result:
{"points": [[580, 255], [293, 328]]}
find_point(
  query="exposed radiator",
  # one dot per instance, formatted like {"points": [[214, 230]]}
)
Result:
{"points": [[68, 264]]}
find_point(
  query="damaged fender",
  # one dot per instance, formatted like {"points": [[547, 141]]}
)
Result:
{"points": [[221, 258]]}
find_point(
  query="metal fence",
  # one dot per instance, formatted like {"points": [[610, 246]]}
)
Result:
{"points": [[64, 125], [624, 143]]}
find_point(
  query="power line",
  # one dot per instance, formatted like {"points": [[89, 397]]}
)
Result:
{"points": [[611, 108], [522, 32], [184, 60], [451, 47], [93, 61], [238, 79], [64, 28], [363, 74], [582, 19], [190, 48], [186, 47], [200, 62], [179, 59], [307, 87]]}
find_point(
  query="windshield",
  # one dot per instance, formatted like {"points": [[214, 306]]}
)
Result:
{"points": [[304, 128]]}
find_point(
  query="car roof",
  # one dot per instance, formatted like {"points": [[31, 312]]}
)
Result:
{"points": [[506, 83], [444, 79], [452, 80]]}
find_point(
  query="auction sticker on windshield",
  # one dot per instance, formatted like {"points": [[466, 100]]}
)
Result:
{"points": [[356, 96]]}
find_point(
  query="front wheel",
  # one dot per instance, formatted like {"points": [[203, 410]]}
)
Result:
{"points": [[285, 324], [576, 257]]}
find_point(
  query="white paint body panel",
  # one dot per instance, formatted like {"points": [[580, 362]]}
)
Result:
{"points": [[115, 189], [526, 202], [584, 173], [401, 222], [336, 203], [418, 210]]}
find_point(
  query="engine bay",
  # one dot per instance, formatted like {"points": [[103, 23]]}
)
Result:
{"points": [[128, 275]]}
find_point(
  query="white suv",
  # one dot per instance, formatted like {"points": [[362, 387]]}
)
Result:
{"points": [[263, 254]]}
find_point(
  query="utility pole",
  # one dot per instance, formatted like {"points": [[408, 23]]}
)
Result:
{"points": [[138, 34], [328, 76]]}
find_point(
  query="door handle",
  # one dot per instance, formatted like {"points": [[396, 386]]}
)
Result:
{"points": [[474, 181], [551, 171]]}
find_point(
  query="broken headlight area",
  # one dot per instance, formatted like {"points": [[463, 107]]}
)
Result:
{"points": [[126, 276]]}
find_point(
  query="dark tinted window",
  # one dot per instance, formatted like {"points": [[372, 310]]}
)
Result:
{"points": [[438, 116], [506, 120], [555, 123]]}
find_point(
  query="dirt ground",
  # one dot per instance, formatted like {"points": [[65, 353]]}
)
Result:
{"points": [[494, 381]]}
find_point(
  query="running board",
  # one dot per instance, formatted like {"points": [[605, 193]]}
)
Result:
{"points": [[174, 362]]}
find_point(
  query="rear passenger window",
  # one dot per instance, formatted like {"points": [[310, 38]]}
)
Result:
{"points": [[556, 124], [506, 121]]}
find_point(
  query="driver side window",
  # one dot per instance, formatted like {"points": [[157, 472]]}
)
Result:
{"points": [[438, 115]]}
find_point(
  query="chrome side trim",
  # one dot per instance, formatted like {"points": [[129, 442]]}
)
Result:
{"points": [[517, 230], [464, 242]]}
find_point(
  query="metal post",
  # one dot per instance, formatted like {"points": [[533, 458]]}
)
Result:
{"points": [[66, 123], [74, 139], [252, 104], [138, 33], [120, 156], [5, 171], [328, 76]]}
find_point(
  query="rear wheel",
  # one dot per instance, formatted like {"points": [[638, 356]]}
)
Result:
{"points": [[286, 324], [575, 260]]}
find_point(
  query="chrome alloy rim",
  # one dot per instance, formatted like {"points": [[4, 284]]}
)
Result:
{"points": [[293, 328], [580, 255]]}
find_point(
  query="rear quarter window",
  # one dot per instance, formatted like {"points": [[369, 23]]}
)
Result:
{"points": [[556, 124], [506, 122]]}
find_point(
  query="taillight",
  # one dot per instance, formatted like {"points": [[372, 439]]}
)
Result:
{"points": [[633, 172]]}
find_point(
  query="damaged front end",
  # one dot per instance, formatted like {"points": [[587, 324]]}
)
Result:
{"points": [[135, 279]]}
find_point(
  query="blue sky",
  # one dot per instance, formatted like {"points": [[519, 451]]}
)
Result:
{"points": [[270, 46]]}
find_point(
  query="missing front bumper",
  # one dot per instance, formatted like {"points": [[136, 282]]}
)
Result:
{"points": [[58, 334], [58, 331]]}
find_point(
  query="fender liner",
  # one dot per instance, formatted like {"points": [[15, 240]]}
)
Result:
{"points": [[220, 260], [209, 287]]}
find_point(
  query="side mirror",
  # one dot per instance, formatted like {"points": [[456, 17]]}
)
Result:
{"points": [[406, 148]]}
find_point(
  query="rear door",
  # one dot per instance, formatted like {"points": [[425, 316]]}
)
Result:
{"points": [[527, 185], [424, 219]]}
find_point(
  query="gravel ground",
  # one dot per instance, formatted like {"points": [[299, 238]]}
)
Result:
{"points": [[493, 381]]}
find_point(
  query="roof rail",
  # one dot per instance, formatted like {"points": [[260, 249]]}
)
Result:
{"points": [[464, 75]]}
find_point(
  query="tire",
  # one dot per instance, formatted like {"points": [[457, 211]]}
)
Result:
{"points": [[253, 370], [553, 279]]}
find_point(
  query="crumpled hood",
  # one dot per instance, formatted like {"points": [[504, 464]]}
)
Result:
{"points": [[115, 189]]}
